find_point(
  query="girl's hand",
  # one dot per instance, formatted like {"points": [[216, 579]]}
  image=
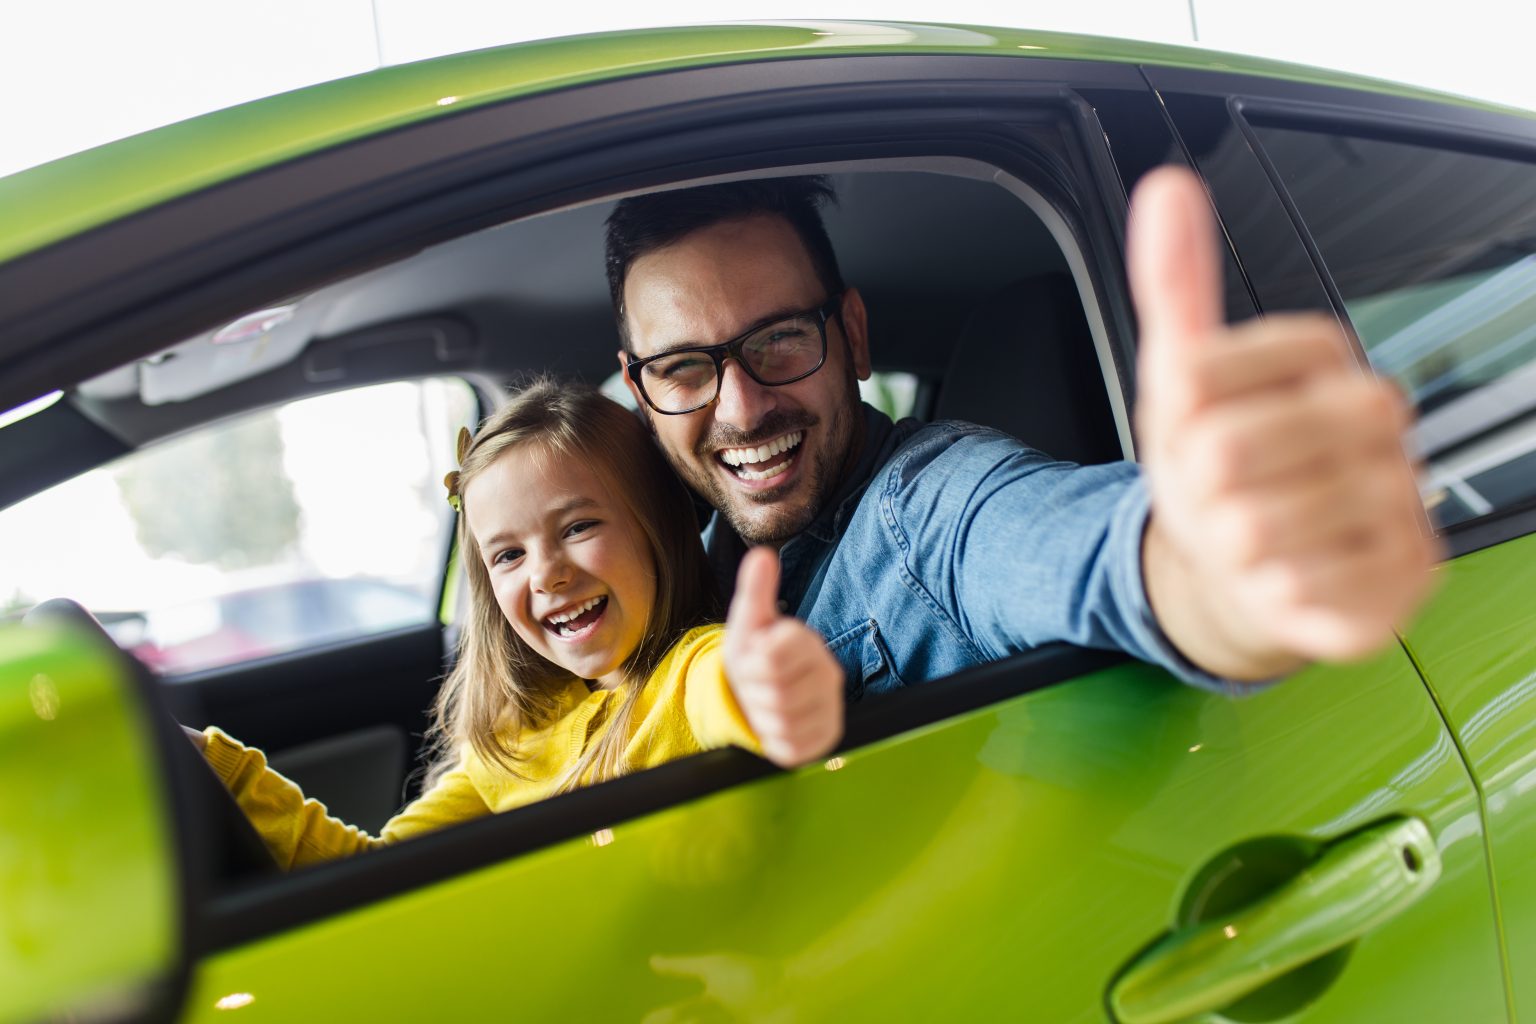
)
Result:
{"points": [[787, 683]]}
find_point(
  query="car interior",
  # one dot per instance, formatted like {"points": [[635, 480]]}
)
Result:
{"points": [[979, 294]]}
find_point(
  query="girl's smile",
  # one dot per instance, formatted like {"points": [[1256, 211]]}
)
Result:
{"points": [[577, 620], [568, 564]]}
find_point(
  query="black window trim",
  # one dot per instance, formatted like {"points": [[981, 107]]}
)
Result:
{"points": [[1221, 222]]}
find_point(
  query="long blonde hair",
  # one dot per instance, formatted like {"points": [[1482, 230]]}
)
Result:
{"points": [[499, 685]]}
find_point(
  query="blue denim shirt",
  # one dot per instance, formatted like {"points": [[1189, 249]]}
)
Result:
{"points": [[953, 544]]}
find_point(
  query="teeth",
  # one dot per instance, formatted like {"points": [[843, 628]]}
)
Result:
{"points": [[764, 474], [747, 456], [571, 613]]}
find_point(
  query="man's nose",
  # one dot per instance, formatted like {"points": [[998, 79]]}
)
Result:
{"points": [[742, 401]]}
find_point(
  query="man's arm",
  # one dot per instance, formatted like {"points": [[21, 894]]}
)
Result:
{"points": [[1285, 521]]}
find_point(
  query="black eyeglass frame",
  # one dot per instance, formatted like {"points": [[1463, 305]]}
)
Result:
{"points": [[833, 307]]}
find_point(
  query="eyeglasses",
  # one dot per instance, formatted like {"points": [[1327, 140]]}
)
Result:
{"points": [[782, 352]]}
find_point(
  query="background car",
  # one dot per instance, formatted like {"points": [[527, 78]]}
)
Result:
{"points": [[280, 617], [1059, 836]]}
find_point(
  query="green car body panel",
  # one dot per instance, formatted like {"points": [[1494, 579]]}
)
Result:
{"points": [[1097, 812], [89, 911], [1474, 646], [76, 193]]}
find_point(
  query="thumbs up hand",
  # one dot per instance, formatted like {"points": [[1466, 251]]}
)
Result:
{"points": [[1286, 525], [787, 683]]}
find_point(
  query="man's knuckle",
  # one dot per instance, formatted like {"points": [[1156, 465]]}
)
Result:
{"points": [[1247, 531], [1286, 583], [1218, 459]]}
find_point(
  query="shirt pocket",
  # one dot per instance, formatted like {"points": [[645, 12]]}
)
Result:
{"points": [[867, 663]]}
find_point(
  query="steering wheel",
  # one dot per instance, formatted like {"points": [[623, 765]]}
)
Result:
{"points": [[222, 835]]}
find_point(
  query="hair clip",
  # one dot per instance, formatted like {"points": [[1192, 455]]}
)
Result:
{"points": [[451, 481]]}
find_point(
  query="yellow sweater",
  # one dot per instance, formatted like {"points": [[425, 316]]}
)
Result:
{"points": [[686, 706]]}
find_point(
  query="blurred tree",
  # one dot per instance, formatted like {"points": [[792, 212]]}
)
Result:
{"points": [[219, 497]]}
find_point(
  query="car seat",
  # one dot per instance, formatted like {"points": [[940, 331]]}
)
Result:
{"points": [[1024, 363]]}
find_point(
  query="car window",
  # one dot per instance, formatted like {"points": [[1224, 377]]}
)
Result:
{"points": [[893, 393], [295, 526], [1433, 252]]}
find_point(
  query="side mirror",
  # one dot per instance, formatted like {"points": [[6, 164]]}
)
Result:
{"points": [[93, 913]]}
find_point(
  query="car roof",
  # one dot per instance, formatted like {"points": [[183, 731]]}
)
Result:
{"points": [[65, 197]]}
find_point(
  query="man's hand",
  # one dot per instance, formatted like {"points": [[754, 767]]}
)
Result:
{"points": [[1286, 525], [786, 681]]}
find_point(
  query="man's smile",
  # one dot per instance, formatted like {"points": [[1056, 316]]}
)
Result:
{"points": [[767, 461]]}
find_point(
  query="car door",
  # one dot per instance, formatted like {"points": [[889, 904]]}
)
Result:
{"points": [[1033, 838], [1423, 223]]}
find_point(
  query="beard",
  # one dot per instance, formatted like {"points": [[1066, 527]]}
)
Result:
{"points": [[775, 515]]}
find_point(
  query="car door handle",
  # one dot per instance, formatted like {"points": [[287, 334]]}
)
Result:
{"points": [[1356, 884]]}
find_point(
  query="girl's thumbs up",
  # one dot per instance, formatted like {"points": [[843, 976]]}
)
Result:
{"points": [[786, 682], [755, 604]]}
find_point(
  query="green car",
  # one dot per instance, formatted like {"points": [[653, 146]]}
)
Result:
{"points": [[239, 348]]}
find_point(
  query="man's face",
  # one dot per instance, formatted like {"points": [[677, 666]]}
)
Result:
{"points": [[767, 457]]}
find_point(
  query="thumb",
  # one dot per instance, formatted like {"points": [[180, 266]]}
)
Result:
{"points": [[756, 601], [1175, 275]]}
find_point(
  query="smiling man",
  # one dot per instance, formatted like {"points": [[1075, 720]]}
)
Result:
{"points": [[1274, 521]]}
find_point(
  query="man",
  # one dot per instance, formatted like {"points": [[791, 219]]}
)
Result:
{"points": [[1274, 519]]}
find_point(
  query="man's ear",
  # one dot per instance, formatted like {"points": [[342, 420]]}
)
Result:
{"points": [[634, 392], [855, 320]]}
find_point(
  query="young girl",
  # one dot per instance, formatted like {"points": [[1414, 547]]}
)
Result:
{"points": [[588, 650]]}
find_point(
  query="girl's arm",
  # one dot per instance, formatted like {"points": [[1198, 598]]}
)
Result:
{"points": [[298, 831]]}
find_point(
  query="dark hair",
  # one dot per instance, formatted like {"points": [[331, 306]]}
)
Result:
{"points": [[643, 224], [500, 685]]}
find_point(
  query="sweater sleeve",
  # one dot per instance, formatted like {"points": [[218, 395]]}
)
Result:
{"points": [[713, 714], [298, 831]]}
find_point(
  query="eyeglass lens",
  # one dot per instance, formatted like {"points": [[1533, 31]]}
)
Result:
{"points": [[774, 354]]}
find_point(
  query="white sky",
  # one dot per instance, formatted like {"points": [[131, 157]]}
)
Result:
{"points": [[77, 73]]}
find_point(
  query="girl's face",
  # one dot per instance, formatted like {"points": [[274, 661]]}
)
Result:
{"points": [[569, 565]]}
